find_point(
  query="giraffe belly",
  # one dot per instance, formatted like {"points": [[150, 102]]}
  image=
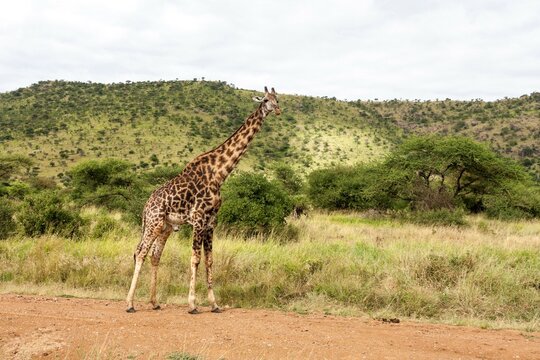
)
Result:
{"points": [[176, 219]]}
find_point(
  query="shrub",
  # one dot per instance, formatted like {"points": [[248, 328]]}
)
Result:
{"points": [[333, 188], [132, 210], [11, 165], [161, 174], [301, 205], [359, 187], [253, 204], [103, 226], [41, 183], [440, 217], [110, 183], [15, 190], [290, 180], [45, 212], [7, 224], [519, 202]]}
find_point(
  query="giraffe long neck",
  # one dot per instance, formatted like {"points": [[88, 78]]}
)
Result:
{"points": [[230, 152]]}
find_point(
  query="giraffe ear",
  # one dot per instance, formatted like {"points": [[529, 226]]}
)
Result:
{"points": [[257, 99]]}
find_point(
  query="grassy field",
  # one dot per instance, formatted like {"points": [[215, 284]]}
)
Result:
{"points": [[485, 274]]}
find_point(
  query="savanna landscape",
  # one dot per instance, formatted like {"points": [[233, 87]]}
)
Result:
{"points": [[350, 229]]}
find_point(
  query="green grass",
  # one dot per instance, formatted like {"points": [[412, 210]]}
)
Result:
{"points": [[486, 274]]}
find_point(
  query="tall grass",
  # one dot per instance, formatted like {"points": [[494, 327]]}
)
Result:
{"points": [[485, 274]]}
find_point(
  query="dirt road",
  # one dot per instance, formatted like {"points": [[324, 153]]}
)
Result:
{"points": [[63, 328]]}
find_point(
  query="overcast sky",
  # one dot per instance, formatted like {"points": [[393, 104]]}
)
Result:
{"points": [[349, 49]]}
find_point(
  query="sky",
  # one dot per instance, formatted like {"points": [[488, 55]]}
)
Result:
{"points": [[357, 49]]}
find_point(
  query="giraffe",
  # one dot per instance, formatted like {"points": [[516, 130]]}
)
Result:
{"points": [[193, 197]]}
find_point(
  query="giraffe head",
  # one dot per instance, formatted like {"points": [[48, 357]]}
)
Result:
{"points": [[269, 101]]}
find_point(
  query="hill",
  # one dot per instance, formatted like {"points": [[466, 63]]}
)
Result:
{"points": [[58, 123]]}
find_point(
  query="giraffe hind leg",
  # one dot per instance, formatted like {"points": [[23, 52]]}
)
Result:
{"points": [[155, 256], [148, 238]]}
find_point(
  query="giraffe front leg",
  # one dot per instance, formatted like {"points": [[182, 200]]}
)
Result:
{"points": [[195, 260], [211, 296], [208, 259]]}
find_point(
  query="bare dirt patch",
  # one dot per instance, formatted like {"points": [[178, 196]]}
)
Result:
{"points": [[62, 328]]}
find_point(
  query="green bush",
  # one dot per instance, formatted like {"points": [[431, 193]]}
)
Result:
{"points": [[440, 217], [132, 209], [103, 226], [15, 190], [110, 183], [290, 180], [161, 174], [334, 188], [301, 205], [519, 202], [359, 187], [46, 212], [253, 204], [7, 224]]}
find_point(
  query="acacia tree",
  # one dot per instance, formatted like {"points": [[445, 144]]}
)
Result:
{"points": [[456, 168]]}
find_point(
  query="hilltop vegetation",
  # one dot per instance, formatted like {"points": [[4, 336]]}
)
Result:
{"points": [[151, 123], [509, 126], [57, 123]]}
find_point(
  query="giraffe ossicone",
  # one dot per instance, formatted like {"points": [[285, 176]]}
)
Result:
{"points": [[193, 197]]}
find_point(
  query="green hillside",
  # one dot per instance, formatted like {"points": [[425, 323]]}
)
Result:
{"points": [[57, 123], [510, 126]]}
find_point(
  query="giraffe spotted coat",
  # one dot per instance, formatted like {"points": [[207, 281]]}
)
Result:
{"points": [[193, 197]]}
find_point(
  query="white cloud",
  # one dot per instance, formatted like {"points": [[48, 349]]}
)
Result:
{"points": [[349, 49]]}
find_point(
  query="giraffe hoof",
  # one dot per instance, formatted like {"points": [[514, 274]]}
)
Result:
{"points": [[156, 307], [216, 310], [130, 310], [194, 311]]}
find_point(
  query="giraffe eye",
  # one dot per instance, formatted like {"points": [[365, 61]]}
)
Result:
{"points": [[265, 100]]}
